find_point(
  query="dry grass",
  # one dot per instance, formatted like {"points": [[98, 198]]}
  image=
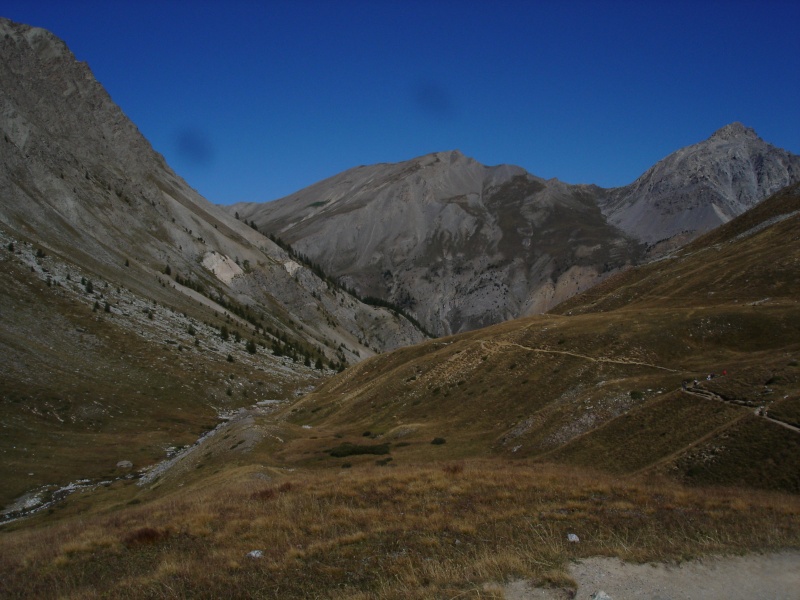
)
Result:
{"points": [[435, 531]]}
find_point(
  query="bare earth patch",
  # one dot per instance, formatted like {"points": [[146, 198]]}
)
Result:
{"points": [[768, 576]]}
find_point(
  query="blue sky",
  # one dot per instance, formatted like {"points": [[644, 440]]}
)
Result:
{"points": [[250, 101]]}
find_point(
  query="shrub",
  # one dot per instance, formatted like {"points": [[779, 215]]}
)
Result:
{"points": [[438, 441], [145, 536], [348, 449], [453, 469], [636, 395]]}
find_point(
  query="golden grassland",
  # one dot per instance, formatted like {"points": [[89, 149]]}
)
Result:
{"points": [[438, 530]]}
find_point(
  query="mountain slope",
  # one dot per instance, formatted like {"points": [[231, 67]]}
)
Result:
{"points": [[459, 244], [80, 180]]}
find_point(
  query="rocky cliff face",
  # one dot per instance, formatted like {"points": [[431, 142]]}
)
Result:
{"points": [[459, 244], [80, 181], [702, 186]]}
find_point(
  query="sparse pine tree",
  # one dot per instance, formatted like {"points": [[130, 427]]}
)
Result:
{"points": [[223, 332], [89, 286], [167, 270], [237, 338], [10, 246], [230, 358], [107, 307], [319, 365], [251, 347], [96, 306]]}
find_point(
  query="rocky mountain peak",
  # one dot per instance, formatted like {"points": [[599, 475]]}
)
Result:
{"points": [[733, 131], [46, 45], [699, 187]]}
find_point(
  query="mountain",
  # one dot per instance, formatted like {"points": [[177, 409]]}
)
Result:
{"points": [[458, 244], [702, 186], [461, 245], [135, 311]]}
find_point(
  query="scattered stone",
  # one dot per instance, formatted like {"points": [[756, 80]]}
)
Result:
{"points": [[255, 554], [124, 464], [600, 595], [571, 537]]}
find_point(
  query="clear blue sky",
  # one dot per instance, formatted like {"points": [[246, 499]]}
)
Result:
{"points": [[250, 101]]}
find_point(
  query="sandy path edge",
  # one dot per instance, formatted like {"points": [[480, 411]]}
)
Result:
{"points": [[774, 576]]}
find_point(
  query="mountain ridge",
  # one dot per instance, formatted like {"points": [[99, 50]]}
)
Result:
{"points": [[408, 231]]}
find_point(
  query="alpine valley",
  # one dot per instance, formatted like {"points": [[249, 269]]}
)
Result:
{"points": [[248, 401]]}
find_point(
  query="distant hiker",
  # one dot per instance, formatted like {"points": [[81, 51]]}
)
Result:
{"points": [[684, 383], [724, 372]]}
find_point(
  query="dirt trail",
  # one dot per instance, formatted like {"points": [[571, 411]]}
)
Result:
{"points": [[665, 460], [583, 356], [769, 576], [709, 395]]}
